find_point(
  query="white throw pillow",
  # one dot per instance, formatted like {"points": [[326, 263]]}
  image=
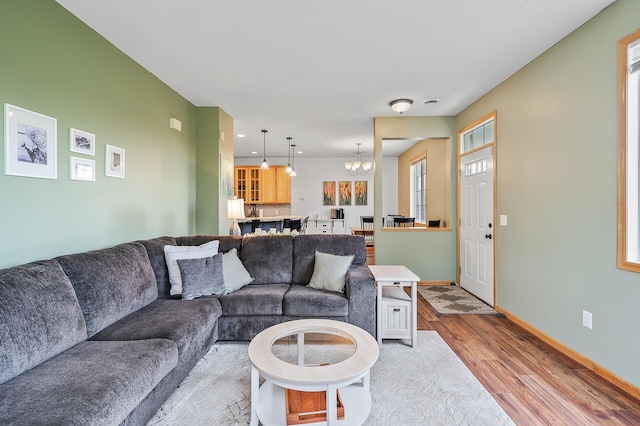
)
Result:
{"points": [[235, 274], [173, 253], [330, 272]]}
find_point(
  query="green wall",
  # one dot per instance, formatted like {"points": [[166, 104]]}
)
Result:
{"points": [[54, 64], [556, 180], [215, 137], [429, 254]]}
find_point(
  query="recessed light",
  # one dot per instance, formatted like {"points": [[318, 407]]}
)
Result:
{"points": [[240, 135], [299, 152], [254, 152]]}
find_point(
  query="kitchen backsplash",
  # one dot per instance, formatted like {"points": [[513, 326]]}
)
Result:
{"points": [[267, 210]]}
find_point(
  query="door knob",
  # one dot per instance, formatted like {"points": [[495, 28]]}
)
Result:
{"points": [[488, 236]]}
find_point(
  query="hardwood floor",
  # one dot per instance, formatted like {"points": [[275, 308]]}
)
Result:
{"points": [[534, 383]]}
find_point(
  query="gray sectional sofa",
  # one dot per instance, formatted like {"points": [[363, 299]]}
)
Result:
{"points": [[96, 339]]}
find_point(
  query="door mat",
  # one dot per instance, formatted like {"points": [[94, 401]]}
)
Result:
{"points": [[447, 300]]}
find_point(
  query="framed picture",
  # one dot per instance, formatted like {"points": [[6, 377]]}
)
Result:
{"points": [[29, 144], [82, 142], [345, 193], [360, 188], [329, 193], [83, 169], [226, 176], [114, 162]]}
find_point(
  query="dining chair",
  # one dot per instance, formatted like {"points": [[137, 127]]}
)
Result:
{"points": [[366, 224], [390, 218], [294, 224], [303, 225], [404, 222]]}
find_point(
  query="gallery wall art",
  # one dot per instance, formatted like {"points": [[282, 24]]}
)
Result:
{"points": [[30, 143]]}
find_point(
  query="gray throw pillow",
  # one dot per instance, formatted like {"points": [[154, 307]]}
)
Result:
{"points": [[201, 277], [330, 272], [236, 275], [173, 253]]}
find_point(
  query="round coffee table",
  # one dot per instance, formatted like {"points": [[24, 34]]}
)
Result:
{"points": [[350, 373]]}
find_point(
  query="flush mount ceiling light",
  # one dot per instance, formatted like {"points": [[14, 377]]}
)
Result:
{"points": [[355, 167], [265, 165], [401, 105]]}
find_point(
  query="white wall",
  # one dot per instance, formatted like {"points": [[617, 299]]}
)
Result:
{"points": [[306, 187]]}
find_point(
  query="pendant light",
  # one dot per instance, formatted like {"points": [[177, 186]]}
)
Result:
{"points": [[265, 165], [289, 169], [293, 160]]}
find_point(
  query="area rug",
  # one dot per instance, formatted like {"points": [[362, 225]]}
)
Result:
{"points": [[454, 300], [426, 385]]}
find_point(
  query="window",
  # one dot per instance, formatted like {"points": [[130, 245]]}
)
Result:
{"points": [[478, 136], [629, 152], [418, 175]]}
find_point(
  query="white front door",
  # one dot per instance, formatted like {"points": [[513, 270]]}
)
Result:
{"points": [[476, 224]]}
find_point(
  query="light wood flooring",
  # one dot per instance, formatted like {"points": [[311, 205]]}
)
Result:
{"points": [[534, 383]]}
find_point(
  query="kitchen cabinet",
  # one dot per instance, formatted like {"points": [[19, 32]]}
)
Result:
{"points": [[257, 186], [247, 184]]}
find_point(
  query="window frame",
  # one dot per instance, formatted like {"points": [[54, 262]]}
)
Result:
{"points": [[412, 190], [623, 150]]}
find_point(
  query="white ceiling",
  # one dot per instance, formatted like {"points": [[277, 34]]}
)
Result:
{"points": [[319, 71]]}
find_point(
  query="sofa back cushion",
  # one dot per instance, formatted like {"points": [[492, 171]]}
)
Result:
{"points": [[155, 251], [40, 316], [268, 258], [227, 242], [305, 247], [111, 283]]}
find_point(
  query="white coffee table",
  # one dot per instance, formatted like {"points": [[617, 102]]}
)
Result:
{"points": [[351, 375]]}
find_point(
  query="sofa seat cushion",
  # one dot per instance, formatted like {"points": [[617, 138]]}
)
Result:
{"points": [[92, 383], [254, 299], [111, 283], [303, 301], [181, 321], [39, 316]]}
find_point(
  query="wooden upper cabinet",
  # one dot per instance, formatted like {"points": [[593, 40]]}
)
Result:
{"points": [[283, 186], [257, 186], [269, 181], [247, 184], [241, 182]]}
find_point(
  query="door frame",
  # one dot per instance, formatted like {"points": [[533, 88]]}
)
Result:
{"points": [[492, 115]]}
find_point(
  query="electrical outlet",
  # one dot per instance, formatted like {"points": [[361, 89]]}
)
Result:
{"points": [[587, 319]]}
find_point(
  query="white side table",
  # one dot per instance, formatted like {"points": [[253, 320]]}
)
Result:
{"points": [[397, 316]]}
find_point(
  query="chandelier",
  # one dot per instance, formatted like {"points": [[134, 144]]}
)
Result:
{"points": [[358, 167]]}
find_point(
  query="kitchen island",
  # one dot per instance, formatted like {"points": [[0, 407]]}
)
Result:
{"points": [[266, 223]]}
